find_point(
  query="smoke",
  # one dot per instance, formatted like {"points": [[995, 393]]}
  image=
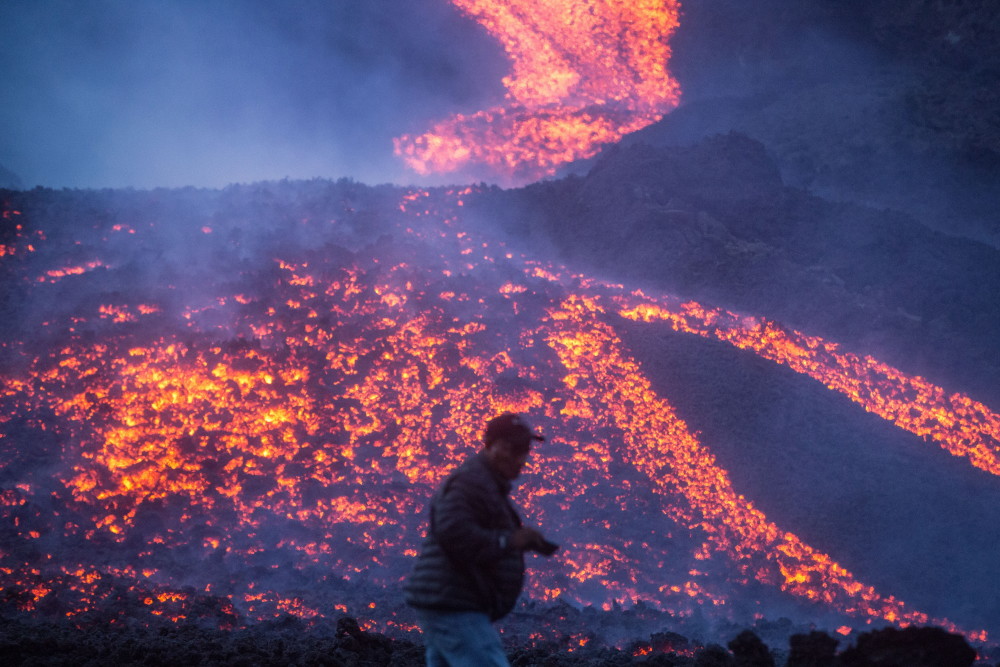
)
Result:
{"points": [[117, 93]]}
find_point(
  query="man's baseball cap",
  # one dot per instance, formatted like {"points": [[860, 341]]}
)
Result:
{"points": [[511, 427]]}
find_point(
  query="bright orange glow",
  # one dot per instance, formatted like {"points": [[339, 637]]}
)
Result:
{"points": [[306, 444], [960, 425], [583, 73], [55, 274], [659, 444]]}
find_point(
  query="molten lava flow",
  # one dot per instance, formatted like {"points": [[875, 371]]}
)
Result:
{"points": [[291, 451], [657, 442], [584, 73], [962, 426]]}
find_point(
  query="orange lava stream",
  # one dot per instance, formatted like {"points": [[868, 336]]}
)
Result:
{"points": [[657, 442], [584, 73], [960, 425]]}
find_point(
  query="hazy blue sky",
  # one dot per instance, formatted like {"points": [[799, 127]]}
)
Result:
{"points": [[144, 93]]}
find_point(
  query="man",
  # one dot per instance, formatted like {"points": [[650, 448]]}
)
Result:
{"points": [[471, 568]]}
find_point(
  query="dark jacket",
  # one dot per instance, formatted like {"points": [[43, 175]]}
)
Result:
{"points": [[466, 563]]}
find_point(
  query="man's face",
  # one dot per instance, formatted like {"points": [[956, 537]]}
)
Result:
{"points": [[506, 458]]}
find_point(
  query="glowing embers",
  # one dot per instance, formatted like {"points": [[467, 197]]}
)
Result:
{"points": [[12, 233], [53, 275], [316, 438], [584, 73], [121, 594], [176, 422]]}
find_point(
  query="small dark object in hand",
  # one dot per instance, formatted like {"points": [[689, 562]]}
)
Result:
{"points": [[547, 548]]}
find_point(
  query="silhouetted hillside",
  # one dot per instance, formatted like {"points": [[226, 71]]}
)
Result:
{"points": [[884, 103]]}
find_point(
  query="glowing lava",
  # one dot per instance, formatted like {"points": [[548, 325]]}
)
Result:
{"points": [[962, 426], [300, 444], [583, 73], [657, 442]]}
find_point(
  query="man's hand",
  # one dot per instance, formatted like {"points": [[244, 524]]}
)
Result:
{"points": [[529, 539], [524, 538]]}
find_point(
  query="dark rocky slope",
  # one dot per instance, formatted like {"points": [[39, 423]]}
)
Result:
{"points": [[886, 103]]}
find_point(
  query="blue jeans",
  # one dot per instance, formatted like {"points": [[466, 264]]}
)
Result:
{"points": [[460, 639]]}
